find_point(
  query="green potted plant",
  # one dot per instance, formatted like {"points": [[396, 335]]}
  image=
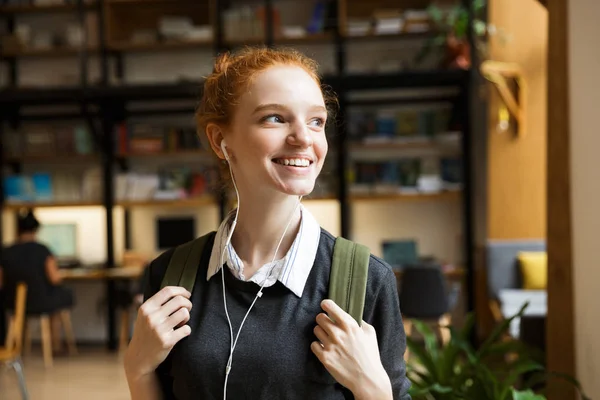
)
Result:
{"points": [[493, 371], [452, 27]]}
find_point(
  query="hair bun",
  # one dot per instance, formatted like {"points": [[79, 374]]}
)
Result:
{"points": [[222, 62]]}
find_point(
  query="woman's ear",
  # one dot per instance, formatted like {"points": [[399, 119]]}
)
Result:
{"points": [[214, 133]]}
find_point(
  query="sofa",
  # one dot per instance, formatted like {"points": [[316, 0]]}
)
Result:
{"points": [[505, 281]]}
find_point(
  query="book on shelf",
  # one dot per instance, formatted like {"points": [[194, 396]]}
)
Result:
{"points": [[169, 183], [451, 171], [56, 140], [137, 138], [385, 177], [393, 125], [44, 187]]}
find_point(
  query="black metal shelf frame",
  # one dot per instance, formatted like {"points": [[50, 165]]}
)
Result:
{"points": [[112, 102]]}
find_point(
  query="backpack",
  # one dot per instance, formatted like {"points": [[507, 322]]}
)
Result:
{"points": [[347, 279]]}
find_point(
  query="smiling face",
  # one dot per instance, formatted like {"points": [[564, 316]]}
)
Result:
{"points": [[276, 140]]}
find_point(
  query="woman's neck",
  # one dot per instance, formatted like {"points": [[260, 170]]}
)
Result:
{"points": [[27, 237], [261, 222]]}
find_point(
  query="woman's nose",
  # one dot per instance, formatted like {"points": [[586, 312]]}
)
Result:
{"points": [[300, 136]]}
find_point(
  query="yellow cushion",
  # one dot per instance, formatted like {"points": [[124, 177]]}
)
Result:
{"points": [[534, 269]]}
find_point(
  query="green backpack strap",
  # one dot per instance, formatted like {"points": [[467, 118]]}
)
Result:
{"points": [[348, 277], [183, 266]]}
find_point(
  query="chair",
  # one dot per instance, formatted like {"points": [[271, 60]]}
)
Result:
{"points": [[423, 296], [10, 354], [41, 304], [51, 340]]}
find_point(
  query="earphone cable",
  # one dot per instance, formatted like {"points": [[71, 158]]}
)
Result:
{"points": [[258, 294]]}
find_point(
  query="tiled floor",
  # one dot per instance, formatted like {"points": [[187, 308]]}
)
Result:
{"points": [[93, 375]]}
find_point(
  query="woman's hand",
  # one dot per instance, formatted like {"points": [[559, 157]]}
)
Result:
{"points": [[350, 353], [158, 327]]}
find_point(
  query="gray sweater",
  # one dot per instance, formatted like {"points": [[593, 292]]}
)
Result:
{"points": [[272, 359]]}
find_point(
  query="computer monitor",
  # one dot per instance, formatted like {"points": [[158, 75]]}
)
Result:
{"points": [[60, 238], [399, 253], [173, 231]]}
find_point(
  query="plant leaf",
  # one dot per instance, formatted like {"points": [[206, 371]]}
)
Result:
{"points": [[468, 326], [478, 5], [423, 378], [423, 357], [526, 395], [517, 371], [437, 388], [499, 330], [435, 13], [479, 27], [431, 342]]}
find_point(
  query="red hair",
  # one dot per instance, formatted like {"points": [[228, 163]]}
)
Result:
{"points": [[233, 73]]}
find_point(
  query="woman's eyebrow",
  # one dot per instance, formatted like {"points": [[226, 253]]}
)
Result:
{"points": [[271, 106], [281, 107], [318, 108]]}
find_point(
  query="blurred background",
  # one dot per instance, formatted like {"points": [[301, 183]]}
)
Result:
{"points": [[459, 155]]}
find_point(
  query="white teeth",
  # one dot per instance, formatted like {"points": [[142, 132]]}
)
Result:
{"points": [[297, 162]]}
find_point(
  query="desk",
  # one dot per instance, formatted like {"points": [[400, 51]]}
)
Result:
{"points": [[86, 273], [454, 274]]}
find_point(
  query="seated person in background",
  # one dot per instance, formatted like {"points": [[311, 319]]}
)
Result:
{"points": [[32, 262]]}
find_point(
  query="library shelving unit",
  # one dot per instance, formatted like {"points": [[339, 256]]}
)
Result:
{"points": [[120, 28]]}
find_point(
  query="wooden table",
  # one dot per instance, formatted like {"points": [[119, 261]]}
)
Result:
{"points": [[88, 273], [454, 274]]}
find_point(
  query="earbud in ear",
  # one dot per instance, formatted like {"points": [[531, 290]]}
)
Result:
{"points": [[224, 150]]}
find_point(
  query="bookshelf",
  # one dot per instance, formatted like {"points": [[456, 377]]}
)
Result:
{"points": [[53, 204], [180, 203], [127, 31], [43, 8], [55, 52], [450, 195]]}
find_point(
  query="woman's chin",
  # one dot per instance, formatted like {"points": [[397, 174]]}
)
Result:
{"points": [[297, 190]]}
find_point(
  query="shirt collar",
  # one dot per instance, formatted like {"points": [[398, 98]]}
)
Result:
{"points": [[296, 264]]}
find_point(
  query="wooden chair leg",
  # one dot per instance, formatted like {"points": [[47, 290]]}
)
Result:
{"points": [[10, 334], [56, 336], [408, 331], [46, 340], [445, 321], [124, 331], [65, 316]]}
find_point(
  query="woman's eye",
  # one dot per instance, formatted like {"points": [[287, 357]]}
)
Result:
{"points": [[317, 122], [273, 119]]}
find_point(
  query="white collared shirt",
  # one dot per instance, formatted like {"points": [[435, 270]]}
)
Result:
{"points": [[292, 270]]}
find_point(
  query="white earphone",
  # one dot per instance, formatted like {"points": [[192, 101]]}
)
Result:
{"points": [[224, 150], [233, 342]]}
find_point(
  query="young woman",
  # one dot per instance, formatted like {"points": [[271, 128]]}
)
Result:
{"points": [[258, 324], [32, 262]]}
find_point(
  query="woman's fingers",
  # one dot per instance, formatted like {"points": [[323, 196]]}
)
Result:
{"points": [[173, 337], [176, 303], [322, 336], [176, 319], [162, 296], [327, 325], [318, 350], [336, 314]]}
